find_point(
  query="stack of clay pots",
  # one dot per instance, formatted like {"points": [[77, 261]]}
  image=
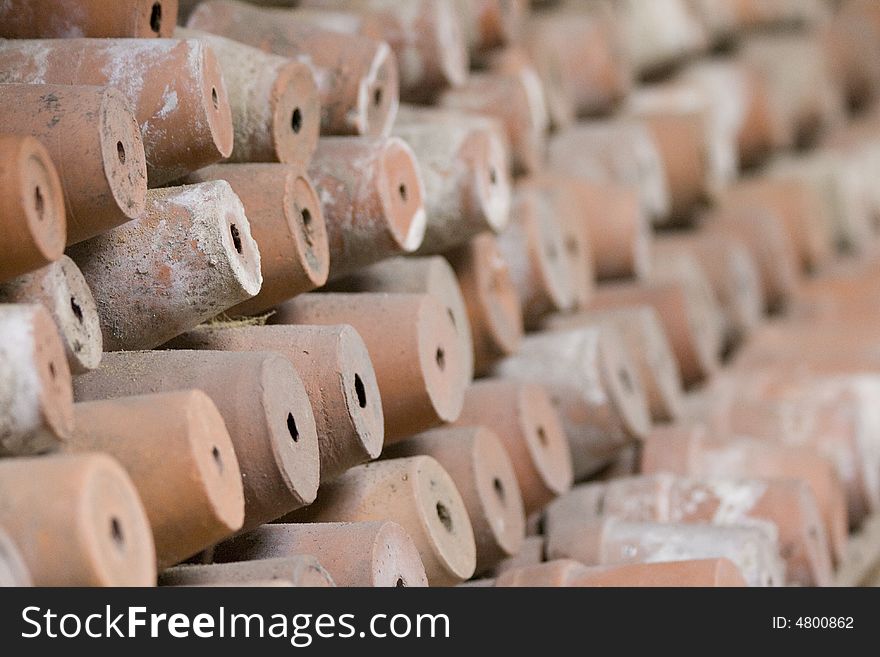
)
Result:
{"points": [[431, 293]]}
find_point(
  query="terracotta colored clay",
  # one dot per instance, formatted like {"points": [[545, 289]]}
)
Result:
{"points": [[47, 19], [276, 112], [853, 51], [553, 574], [523, 417], [62, 290], [32, 213], [786, 505], [488, 24], [427, 37], [566, 197], [357, 77], [338, 376], [13, 570], [189, 258], [619, 233], [764, 234], [839, 187], [594, 384], [413, 345], [699, 573], [683, 268], [174, 87], [420, 496], [688, 451], [464, 169], [94, 138], [287, 223], [302, 571], [491, 299], [614, 152], [660, 34], [476, 460], [428, 275], [795, 203], [602, 542], [519, 106], [730, 270], [740, 130], [192, 500], [534, 248], [530, 554], [832, 414], [373, 200], [803, 98], [583, 50], [641, 330], [688, 324], [262, 401], [375, 554], [36, 402], [90, 513], [678, 123]]}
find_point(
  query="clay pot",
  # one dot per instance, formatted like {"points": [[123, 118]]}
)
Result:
{"points": [[688, 322], [357, 77], [618, 152], [36, 397], [45, 19], [13, 569], [640, 329], [92, 515], [478, 463], [530, 554], [594, 385], [192, 500], [520, 108], [276, 111], [420, 496], [62, 290], [464, 166], [732, 273], [32, 207], [413, 345], [583, 50], [489, 24], [534, 248], [553, 574], [373, 200], [698, 573], [523, 417], [491, 299], [189, 258], [688, 451], [679, 267], [287, 223], [803, 98], [798, 207], [610, 541], [428, 275], [263, 404], [678, 120], [302, 571], [93, 136], [427, 36], [175, 88], [373, 554], [764, 234], [338, 376], [786, 505]]}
